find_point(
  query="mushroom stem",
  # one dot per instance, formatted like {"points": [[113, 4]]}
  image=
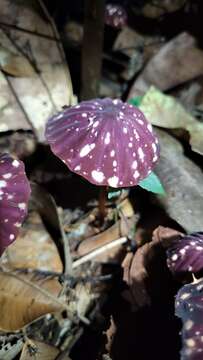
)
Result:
{"points": [[102, 203]]}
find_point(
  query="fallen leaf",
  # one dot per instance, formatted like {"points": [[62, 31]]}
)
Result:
{"points": [[165, 111], [14, 64], [36, 350], [24, 298], [159, 8], [177, 62], [146, 268], [182, 181], [31, 99], [34, 249]]}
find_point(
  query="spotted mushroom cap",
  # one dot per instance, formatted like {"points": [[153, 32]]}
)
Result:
{"points": [[115, 16], [14, 195], [189, 307], [186, 254], [106, 141]]}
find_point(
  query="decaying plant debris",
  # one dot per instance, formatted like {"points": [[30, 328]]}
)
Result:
{"points": [[93, 266]]}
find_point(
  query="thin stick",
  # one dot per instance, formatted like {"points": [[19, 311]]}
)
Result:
{"points": [[99, 251]]}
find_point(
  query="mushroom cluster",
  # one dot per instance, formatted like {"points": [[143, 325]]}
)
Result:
{"points": [[108, 142], [14, 195]]}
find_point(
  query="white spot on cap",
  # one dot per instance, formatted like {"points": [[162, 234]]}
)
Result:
{"points": [[114, 163], [22, 206], [140, 122], [185, 296], [115, 101], [113, 181], [134, 165], [190, 342], [140, 153], [95, 124], [149, 127], [136, 134], [112, 153], [107, 138], [130, 145], [5, 220], [15, 163], [84, 115], [154, 147], [11, 236], [7, 176], [189, 324], [77, 168], [125, 130], [136, 174], [98, 176], [86, 149], [174, 257], [9, 197], [3, 183], [17, 224]]}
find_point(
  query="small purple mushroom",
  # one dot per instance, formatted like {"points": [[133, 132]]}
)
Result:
{"points": [[189, 307], [115, 16], [106, 141], [186, 254], [14, 195]]}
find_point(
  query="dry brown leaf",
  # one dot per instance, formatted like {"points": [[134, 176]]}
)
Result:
{"points": [[14, 64], [138, 269], [32, 100], [24, 298], [159, 8], [35, 350], [165, 111], [34, 249], [176, 62], [183, 183]]}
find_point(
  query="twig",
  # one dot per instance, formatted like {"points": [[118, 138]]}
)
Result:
{"points": [[92, 48], [99, 251]]}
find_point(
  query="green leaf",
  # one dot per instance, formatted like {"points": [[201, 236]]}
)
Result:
{"points": [[136, 101], [113, 194], [153, 184]]}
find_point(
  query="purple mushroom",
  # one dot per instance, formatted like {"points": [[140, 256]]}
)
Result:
{"points": [[189, 307], [185, 254], [14, 195], [115, 16], [108, 142]]}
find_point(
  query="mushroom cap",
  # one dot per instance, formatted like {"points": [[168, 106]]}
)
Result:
{"points": [[115, 16], [14, 195], [186, 254], [106, 141], [189, 307]]}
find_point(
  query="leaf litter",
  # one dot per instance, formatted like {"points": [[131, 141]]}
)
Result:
{"points": [[72, 282]]}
